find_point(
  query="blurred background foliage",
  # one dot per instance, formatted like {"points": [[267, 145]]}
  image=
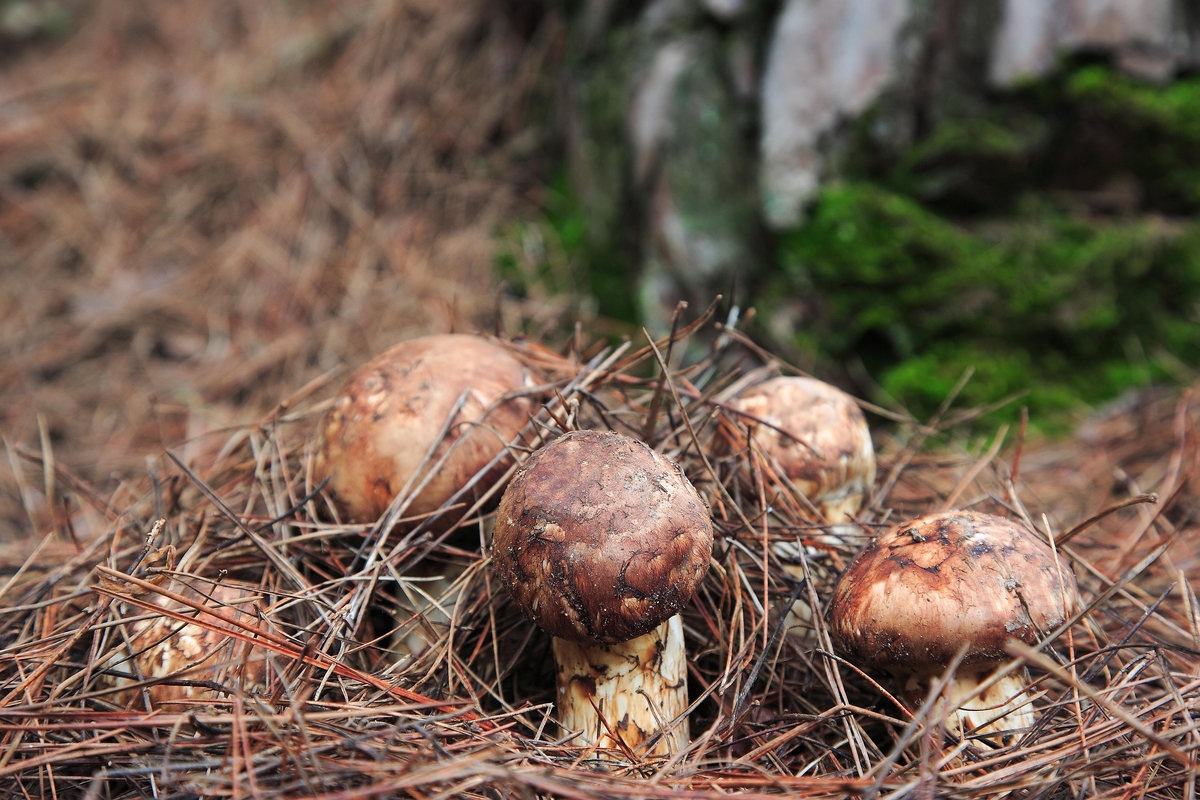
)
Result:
{"points": [[1043, 234], [1048, 240], [23, 20]]}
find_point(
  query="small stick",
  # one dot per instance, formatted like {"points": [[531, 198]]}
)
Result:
{"points": [[656, 403], [48, 471], [498, 311], [1016, 465], [22, 487], [1092, 520], [973, 473]]}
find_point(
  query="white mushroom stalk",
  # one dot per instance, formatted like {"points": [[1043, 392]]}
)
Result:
{"points": [[1001, 711], [641, 686], [602, 541], [924, 590]]}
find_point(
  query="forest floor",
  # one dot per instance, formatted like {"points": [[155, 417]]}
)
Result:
{"points": [[205, 207], [210, 213]]}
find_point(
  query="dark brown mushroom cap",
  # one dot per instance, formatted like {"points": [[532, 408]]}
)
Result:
{"points": [[600, 539], [927, 587], [387, 416], [822, 416]]}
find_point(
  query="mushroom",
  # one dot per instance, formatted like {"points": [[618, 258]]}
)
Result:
{"points": [[426, 598], [930, 587], [387, 417], [198, 662], [601, 541], [826, 451]]}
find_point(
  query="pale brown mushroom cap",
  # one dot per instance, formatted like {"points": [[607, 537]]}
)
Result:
{"points": [[166, 647], [387, 417], [827, 418], [925, 588], [598, 538]]}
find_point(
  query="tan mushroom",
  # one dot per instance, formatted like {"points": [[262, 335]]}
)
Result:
{"points": [[820, 439], [923, 590], [602, 542], [817, 436], [197, 662], [388, 416]]}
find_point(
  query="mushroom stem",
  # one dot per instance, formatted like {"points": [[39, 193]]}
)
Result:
{"points": [[639, 687], [839, 513], [1002, 711], [425, 609]]}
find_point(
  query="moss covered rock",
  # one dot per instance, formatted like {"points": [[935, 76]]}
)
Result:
{"points": [[1071, 309]]}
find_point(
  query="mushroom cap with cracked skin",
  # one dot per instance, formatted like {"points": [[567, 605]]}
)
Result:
{"points": [[827, 418], [923, 589], [386, 418], [600, 539]]}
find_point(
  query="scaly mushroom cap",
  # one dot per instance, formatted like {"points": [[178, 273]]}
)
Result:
{"points": [[827, 418], [166, 647], [600, 539], [386, 418], [927, 587]]}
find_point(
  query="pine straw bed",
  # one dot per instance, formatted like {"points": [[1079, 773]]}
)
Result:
{"points": [[202, 204], [349, 712]]}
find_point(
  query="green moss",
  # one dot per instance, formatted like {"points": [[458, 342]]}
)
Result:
{"points": [[1156, 127], [1031, 241], [972, 160], [1042, 302], [559, 253], [1173, 110], [1076, 132]]}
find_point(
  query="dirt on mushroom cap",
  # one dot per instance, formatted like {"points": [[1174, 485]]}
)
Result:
{"points": [[927, 587], [386, 418], [599, 538]]}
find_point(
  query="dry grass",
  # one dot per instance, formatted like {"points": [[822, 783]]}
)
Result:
{"points": [[204, 204], [353, 708]]}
